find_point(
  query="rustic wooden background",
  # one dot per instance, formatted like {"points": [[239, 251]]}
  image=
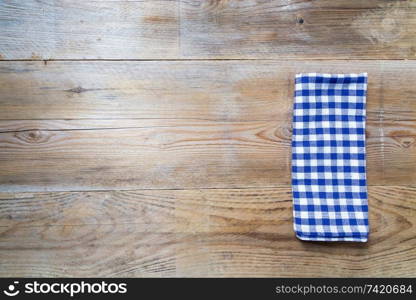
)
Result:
{"points": [[152, 138]]}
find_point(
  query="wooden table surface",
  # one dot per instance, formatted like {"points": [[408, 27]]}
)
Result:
{"points": [[152, 138]]}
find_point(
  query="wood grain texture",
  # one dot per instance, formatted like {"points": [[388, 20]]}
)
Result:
{"points": [[298, 29], [213, 90], [173, 29], [131, 154], [77, 29], [191, 124], [218, 232], [152, 138]]}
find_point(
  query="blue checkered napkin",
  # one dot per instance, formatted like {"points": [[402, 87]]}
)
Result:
{"points": [[328, 157]]}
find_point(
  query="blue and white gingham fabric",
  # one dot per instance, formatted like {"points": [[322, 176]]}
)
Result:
{"points": [[328, 157]]}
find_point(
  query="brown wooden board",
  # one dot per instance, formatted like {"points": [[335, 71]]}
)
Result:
{"points": [[183, 29], [204, 232]]}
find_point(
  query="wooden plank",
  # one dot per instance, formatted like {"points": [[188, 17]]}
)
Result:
{"points": [[151, 29], [214, 90], [214, 232], [158, 153], [302, 29], [77, 29]]}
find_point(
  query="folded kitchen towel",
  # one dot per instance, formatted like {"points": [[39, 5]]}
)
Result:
{"points": [[328, 157]]}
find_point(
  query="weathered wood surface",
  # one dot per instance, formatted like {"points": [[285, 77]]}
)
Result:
{"points": [[213, 90], [206, 232], [298, 29], [67, 29], [130, 154], [179, 164], [190, 124], [172, 29]]}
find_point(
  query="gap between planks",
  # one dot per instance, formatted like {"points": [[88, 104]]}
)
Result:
{"points": [[270, 187]]}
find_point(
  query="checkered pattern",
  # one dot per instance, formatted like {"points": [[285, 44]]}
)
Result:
{"points": [[328, 159]]}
